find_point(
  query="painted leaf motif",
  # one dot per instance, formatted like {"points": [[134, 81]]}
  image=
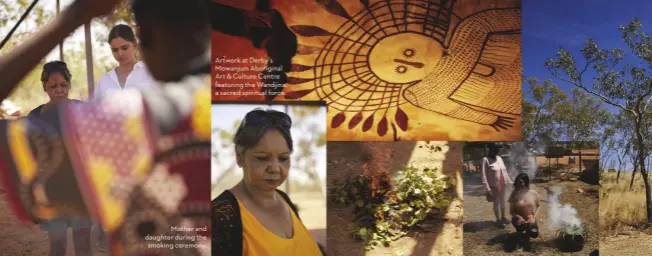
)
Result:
{"points": [[299, 68], [382, 127], [368, 123], [355, 120], [401, 119], [298, 94], [307, 50], [310, 31], [334, 7], [298, 80], [338, 120]]}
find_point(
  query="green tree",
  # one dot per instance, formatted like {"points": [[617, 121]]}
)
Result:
{"points": [[625, 86], [582, 117], [608, 147], [540, 116], [312, 138], [122, 13], [29, 93]]}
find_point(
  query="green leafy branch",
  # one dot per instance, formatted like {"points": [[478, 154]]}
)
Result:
{"points": [[384, 211]]}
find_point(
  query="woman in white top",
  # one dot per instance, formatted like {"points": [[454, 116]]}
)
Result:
{"points": [[130, 73], [495, 178]]}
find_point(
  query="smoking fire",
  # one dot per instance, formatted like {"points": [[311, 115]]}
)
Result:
{"points": [[376, 158], [563, 218]]}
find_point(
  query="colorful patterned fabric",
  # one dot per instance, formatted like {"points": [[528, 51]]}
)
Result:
{"points": [[112, 161]]}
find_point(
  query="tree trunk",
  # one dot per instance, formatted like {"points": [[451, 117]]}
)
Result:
{"points": [[620, 166], [89, 60], [641, 159], [648, 162], [631, 183], [60, 45]]}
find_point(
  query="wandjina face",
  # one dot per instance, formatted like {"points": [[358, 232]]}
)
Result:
{"points": [[387, 54]]}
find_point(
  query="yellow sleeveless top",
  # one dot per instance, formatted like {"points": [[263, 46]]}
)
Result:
{"points": [[258, 241]]}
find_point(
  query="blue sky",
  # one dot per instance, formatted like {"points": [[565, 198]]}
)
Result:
{"points": [[547, 25]]}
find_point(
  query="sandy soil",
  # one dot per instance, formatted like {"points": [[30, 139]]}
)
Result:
{"points": [[623, 216], [483, 237], [442, 236], [626, 243], [21, 239]]}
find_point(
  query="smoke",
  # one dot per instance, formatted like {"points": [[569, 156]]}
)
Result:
{"points": [[521, 160], [564, 217]]}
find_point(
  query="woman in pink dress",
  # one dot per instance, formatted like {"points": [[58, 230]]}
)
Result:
{"points": [[495, 178]]}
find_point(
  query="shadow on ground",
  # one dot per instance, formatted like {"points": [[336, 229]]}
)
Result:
{"points": [[483, 237], [477, 226]]}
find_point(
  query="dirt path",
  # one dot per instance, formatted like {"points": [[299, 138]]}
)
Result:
{"points": [[20, 239], [483, 237], [442, 236], [632, 243]]}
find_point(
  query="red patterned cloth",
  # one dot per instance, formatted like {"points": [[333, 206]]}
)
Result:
{"points": [[111, 160]]}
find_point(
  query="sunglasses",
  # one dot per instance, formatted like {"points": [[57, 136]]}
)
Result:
{"points": [[262, 117]]}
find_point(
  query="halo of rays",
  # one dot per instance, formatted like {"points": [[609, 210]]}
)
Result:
{"points": [[342, 73]]}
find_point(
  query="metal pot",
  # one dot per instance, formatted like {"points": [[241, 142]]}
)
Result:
{"points": [[571, 242]]}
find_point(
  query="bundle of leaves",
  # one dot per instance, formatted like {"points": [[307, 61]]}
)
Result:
{"points": [[385, 208], [572, 238]]}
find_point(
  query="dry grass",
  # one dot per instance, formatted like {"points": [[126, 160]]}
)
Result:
{"points": [[620, 208]]}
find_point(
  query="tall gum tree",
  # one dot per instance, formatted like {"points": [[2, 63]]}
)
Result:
{"points": [[626, 86]]}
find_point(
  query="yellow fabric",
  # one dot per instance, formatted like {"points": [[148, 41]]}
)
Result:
{"points": [[258, 241], [201, 117], [19, 145]]}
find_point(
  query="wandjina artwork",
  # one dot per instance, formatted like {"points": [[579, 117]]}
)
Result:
{"points": [[409, 69]]}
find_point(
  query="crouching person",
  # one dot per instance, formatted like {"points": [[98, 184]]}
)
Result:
{"points": [[524, 207]]}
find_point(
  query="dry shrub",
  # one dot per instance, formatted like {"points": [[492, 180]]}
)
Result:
{"points": [[619, 207]]}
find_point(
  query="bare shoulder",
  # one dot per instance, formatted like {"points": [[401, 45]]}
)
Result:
{"points": [[534, 193]]}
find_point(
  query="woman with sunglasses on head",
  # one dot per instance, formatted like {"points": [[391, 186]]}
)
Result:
{"points": [[254, 217], [56, 80], [130, 73]]}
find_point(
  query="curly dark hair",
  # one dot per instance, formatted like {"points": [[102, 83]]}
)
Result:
{"points": [[55, 67]]}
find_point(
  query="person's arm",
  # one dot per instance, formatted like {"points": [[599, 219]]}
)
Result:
{"points": [[485, 162], [512, 211], [15, 64], [512, 207], [537, 203], [506, 174]]}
